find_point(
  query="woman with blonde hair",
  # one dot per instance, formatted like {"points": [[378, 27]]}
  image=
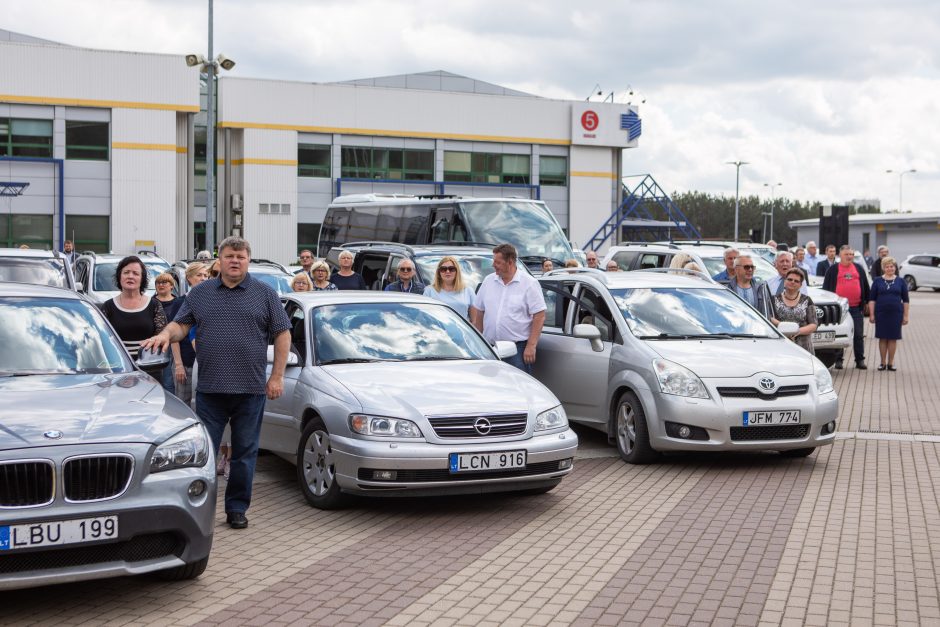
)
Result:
{"points": [[448, 287], [320, 272], [301, 283], [679, 260]]}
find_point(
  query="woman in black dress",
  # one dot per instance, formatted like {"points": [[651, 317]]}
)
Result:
{"points": [[133, 315], [889, 309]]}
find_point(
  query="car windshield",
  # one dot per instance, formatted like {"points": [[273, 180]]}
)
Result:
{"points": [[280, 283], [681, 312], [51, 335], [526, 225], [713, 265], [104, 276], [367, 332], [473, 268], [35, 270]]}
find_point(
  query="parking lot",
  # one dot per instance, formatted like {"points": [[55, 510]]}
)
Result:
{"points": [[848, 535]]}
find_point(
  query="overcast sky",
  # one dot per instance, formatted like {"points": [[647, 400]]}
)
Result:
{"points": [[822, 96]]}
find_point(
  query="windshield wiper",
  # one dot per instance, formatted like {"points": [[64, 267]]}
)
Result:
{"points": [[435, 358], [687, 336], [29, 373], [351, 360]]}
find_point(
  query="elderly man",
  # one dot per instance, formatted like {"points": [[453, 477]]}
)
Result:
{"points": [[847, 279], [235, 316], [407, 282], [725, 275], [743, 283], [783, 262], [827, 262], [306, 262], [876, 270], [799, 261], [613, 266], [509, 305], [812, 258], [592, 261]]}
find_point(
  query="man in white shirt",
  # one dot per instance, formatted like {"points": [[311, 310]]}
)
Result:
{"points": [[510, 306], [812, 258], [783, 262]]}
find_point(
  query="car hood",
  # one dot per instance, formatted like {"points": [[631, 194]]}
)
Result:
{"points": [[434, 388], [87, 409], [736, 358]]}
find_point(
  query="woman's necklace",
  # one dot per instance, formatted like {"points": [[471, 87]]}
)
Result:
{"points": [[891, 282], [787, 297]]}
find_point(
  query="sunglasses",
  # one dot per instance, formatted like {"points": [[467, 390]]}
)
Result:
{"points": [[164, 282], [447, 269], [747, 267], [406, 270]]}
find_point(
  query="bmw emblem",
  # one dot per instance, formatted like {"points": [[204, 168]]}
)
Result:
{"points": [[52, 435], [482, 426], [767, 384]]}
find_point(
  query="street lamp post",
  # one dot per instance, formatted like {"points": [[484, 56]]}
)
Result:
{"points": [[901, 186], [737, 188], [772, 187]]}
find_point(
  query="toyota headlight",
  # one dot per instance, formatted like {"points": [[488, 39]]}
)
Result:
{"points": [[382, 426], [822, 376], [554, 418], [187, 449], [844, 303], [678, 380]]}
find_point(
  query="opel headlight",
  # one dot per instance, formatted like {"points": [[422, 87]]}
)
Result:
{"points": [[678, 380], [554, 418], [822, 376], [382, 426], [187, 449]]}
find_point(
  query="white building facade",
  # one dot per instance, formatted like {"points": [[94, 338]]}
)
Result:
{"points": [[903, 233]]}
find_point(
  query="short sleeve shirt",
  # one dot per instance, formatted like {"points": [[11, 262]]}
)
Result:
{"points": [[234, 327], [508, 307], [849, 285]]}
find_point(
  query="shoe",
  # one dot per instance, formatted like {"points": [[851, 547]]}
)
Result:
{"points": [[236, 520], [860, 365], [838, 365], [892, 368], [881, 367]]}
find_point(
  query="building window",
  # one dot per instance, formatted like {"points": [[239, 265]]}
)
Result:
{"points": [[313, 160], [307, 236], [86, 140], [88, 232], [486, 167], [26, 138], [33, 230], [553, 171], [387, 164], [199, 159]]}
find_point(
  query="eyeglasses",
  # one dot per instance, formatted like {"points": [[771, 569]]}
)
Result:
{"points": [[791, 279], [306, 257], [747, 267], [406, 269], [164, 282], [320, 270], [447, 269]]}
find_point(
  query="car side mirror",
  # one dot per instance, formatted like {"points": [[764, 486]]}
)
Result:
{"points": [[504, 349], [153, 362], [592, 333], [788, 328], [292, 358], [79, 287]]}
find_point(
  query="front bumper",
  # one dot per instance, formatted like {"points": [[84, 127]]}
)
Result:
{"points": [[422, 468], [845, 330]]}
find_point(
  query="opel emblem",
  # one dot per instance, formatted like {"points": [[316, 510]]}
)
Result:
{"points": [[767, 384], [52, 435], [482, 426]]}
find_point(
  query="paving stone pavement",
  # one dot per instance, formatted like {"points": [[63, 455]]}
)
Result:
{"points": [[850, 535]]}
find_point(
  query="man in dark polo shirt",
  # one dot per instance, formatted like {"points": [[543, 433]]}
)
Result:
{"points": [[236, 317]]}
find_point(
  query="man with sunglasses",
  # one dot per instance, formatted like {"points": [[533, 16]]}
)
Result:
{"points": [[407, 282], [306, 262], [751, 290]]}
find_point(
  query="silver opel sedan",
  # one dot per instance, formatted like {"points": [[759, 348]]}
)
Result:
{"points": [[397, 395], [661, 361], [101, 472]]}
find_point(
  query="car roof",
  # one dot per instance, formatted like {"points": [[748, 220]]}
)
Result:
{"points": [[29, 252], [12, 288]]}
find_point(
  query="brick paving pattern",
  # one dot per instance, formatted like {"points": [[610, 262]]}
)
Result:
{"points": [[848, 536]]}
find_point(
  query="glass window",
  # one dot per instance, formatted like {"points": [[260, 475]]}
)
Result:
{"points": [[35, 270], [419, 165], [356, 162], [457, 166], [4, 137], [88, 232], [529, 226], [86, 140], [362, 224], [486, 167], [307, 236], [31, 138], [313, 160], [199, 158], [553, 171], [33, 230]]}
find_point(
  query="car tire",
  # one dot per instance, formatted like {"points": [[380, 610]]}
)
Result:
{"points": [[316, 468], [911, 282], [184, 572], [828, 358], [798, 452], [630, 431], [936, 289]]}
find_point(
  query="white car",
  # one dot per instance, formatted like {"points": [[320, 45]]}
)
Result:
{"points": [[389, 394], [921, 270]]}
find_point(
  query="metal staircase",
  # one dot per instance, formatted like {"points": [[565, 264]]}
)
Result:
{"points": [[647, 213]]}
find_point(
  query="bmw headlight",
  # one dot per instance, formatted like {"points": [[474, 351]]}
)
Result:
{"points": [[678, 380], [382, 426], [822, 376], [186, 449], [554, 418]]}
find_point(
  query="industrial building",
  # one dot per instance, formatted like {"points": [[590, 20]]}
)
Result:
{"points": [[112, 145], [903, 233]]}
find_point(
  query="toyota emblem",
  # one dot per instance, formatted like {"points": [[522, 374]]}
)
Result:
{"points": [[52, 435], [820, 313], [482, 426], [767, 384]]}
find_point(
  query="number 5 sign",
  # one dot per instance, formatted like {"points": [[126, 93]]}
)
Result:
{"points": [[589, 120]]}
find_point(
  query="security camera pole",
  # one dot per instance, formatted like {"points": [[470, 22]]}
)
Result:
{"points": [[210, 143]]}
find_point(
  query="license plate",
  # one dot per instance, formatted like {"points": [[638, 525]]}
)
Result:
{"points": [[483, 462], [75, 531], [776, 417], [824, 336]]}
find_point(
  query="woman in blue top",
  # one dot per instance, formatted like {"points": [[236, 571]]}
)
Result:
{"points": [[448, 287], [890, 305]]}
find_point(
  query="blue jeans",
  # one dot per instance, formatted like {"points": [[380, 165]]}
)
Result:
{"points": [[166, 378], [517, 360], [858, 337], [244, 411]]}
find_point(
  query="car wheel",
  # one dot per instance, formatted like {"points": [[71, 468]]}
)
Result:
{"points": [[798, 452], [828, 358], [631, 433], [316, 467], [184, 572], [936, 289], [911, 283]]}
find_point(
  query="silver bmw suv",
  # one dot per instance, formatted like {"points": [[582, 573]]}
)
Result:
{"points": [[661, 361]]}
